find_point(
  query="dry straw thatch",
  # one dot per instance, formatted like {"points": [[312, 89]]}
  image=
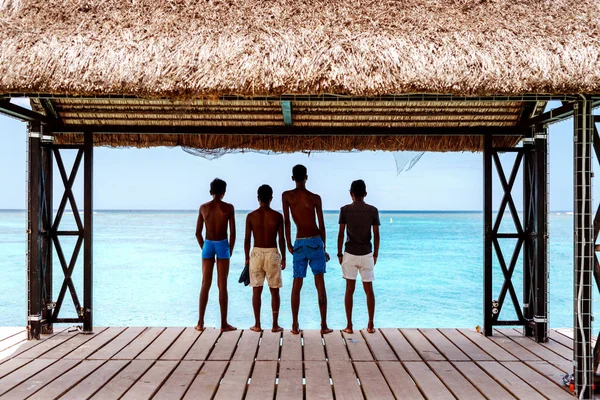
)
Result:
{"points": [[192, 48], [285, 144]]}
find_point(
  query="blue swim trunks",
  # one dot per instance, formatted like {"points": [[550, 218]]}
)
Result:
{"points": [[305, 250], [219, 248]]}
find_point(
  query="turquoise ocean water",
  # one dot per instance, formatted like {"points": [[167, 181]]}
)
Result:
{"points": [[147, 271]]}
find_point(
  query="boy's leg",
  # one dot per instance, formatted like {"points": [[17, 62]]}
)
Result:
{"points": [[222, 274], [275, 302], [256, 303], [296, 287], [348, 301], [368, 286], [322, 294], [207, 274]]}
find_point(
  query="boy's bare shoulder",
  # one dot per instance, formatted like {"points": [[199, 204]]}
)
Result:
{"points": [[287, 193]]}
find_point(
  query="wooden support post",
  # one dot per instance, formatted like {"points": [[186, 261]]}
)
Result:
{"points": [[34, 284], [528, 243], [88, 216], [583, 248], [540, 278], [487, 231], [47, 214]]}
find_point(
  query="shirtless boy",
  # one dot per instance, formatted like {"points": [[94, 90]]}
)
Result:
{"points": [[216, 215], [264, 225], [356, 221], [309, 246]]}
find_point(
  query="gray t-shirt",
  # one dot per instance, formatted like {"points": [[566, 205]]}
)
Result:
{"points": [[359, 217]]}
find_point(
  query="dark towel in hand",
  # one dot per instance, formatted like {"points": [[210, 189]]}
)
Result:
{"points": [[245, 276]]}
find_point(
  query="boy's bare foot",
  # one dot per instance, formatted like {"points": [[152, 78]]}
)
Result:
{"points": [[199, 328], [256, 328], [325, 330], [295, 329], [348, 330], [370, 328], [277, 329], [228, 328]]}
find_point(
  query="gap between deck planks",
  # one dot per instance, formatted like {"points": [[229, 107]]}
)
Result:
{"points": [[391, 363]]}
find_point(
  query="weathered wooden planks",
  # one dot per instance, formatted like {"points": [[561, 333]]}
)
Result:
{"points": [[69, 379], [262, 381], [269, 346], [422, 345], [429, 384], [372, 381], [203, 345], [345, 384], [149, 383], [402, 348], [181, 345], [178, 383], [95, 381], [160, 344], [234, 381], [247, 346], [455, 381], [225, 346], [207, 381], [291, 349], [357, 347], [317, 380], [290, 380], [313, 345]]}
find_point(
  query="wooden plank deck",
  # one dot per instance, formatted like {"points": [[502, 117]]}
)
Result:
{"points": [[177, 363]]}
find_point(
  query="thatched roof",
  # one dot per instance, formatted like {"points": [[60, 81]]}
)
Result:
{"points": [[192, 49]]}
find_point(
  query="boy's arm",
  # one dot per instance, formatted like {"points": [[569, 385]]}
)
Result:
{"points": [[375, 243], [199, 227], [287, 222], [319, 207], [247, 239], [341, 242], [281, 244], [231, 230]]}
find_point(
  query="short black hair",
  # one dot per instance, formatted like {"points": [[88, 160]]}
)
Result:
{"points": [[358, 188], [265, 193], [299, 172], [218, 186]]}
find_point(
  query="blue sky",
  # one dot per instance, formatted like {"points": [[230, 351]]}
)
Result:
{"points": [[169, 178]]}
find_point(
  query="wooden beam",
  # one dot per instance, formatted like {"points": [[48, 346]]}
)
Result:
{"points": [[25, 115], [296, 131]]}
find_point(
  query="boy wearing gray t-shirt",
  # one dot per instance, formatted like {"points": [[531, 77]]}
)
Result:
{"points": [[356, 221]]}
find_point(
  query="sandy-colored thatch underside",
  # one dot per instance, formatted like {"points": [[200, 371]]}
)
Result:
{"points": [[288, 144], [248, 123], [205, 49]]}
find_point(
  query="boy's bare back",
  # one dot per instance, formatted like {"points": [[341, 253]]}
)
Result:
{"points": [[304, 205], [265, 224], [216, 215]]}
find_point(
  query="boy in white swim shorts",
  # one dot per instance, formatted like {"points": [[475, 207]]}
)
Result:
{"points": [[356, 221]]}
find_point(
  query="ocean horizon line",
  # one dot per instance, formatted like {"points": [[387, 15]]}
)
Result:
{"points": [[118, 210]]}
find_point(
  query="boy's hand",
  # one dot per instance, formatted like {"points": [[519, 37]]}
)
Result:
{"points": [[283, 264], [247, 262], [290, 248], [340, 258], [327, 258], [375, 258]]}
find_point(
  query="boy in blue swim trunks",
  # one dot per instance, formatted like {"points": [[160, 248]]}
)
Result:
{"points": [[309, 247], [217, 216]]}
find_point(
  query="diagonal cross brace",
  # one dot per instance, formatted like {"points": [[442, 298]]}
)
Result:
{"points": [[68, 193], [68, 271], [507, 187], [508, 272]]}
